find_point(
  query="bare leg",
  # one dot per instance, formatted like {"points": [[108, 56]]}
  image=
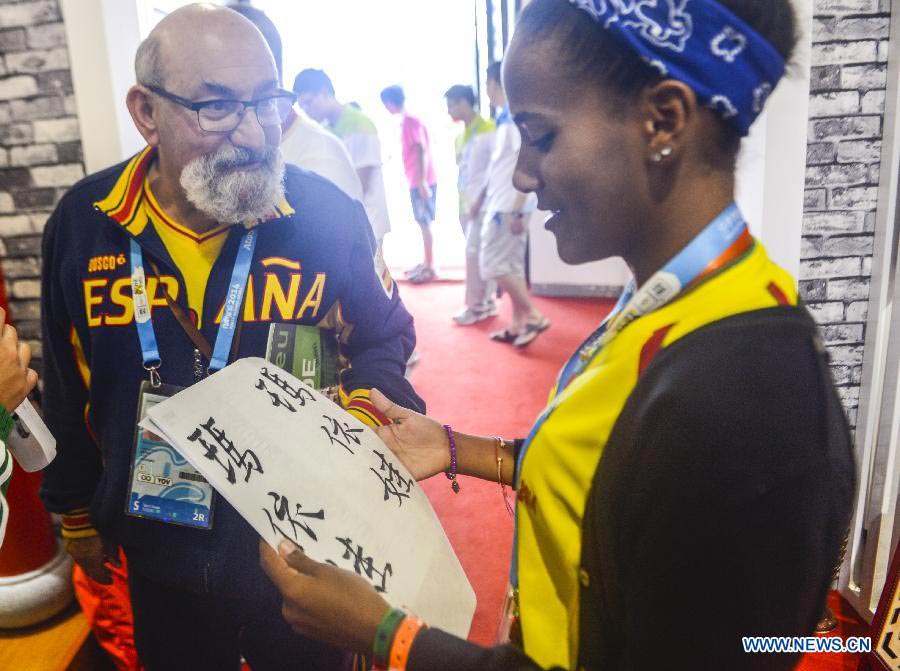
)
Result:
{"points": [[523, 309], [428, 246]]}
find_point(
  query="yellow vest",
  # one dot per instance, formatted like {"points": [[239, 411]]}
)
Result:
{"points": [[559, 466]]}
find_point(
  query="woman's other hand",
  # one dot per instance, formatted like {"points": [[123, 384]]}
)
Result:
{"points": [[322, 601]]}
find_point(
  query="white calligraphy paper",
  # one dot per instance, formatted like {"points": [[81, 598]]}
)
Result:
{"points": [[297, 466]]}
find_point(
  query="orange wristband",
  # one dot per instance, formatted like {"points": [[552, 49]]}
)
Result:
{"points": [[403, 640]]}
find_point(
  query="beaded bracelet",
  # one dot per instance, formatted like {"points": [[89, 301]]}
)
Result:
{"points": [[498, 444], [451, 474], [384, 636], [403, 640]]}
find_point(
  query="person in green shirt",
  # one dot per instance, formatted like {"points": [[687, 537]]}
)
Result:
{"points": [[473, 156]]}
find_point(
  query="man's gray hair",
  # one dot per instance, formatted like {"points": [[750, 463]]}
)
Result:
{"points": [[148, 69]]}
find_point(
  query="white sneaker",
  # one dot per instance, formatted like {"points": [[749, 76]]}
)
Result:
{"points": [[469, 316]]}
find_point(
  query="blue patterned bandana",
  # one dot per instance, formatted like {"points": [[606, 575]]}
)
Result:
{"points": [[730, 67]]}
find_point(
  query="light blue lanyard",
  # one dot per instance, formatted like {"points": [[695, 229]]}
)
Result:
{"points": [[225, 335], [233, 301], [146, 334], [663, 287]]}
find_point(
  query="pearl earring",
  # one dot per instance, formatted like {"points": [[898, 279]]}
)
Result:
{"points": [[665, 152]]}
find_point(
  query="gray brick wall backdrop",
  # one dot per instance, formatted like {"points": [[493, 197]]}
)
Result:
{"points": [[40, 147], [849, 65]]}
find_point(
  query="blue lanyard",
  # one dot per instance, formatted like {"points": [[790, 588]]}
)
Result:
{"points": [[225, 335], [146, 334], [662, 288], [575, 365], [233, 302]]}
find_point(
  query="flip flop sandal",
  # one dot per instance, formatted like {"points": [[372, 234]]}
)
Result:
{"points": [[505, 336], [532, 331]]}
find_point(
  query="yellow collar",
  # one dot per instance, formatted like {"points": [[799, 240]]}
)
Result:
{"points": [[123, 202]]}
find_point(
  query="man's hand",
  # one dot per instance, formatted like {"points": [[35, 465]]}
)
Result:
{"points": [[93, 554], [516, 222], [418, 441], [321, 601], [475, 209], [424, 191], [16, 378]]}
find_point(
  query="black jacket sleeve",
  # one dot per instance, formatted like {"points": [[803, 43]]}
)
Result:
{"points": [[70, 480], [435, 650], [381, 333]]}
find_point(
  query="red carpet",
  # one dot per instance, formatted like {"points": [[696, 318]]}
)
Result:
{"points": [[849, 624], [488, 388]]}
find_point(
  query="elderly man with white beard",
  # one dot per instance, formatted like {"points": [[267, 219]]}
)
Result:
{"points": [[140, 265]]}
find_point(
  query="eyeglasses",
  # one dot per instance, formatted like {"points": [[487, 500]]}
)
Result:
{"points": [[223, 116]]}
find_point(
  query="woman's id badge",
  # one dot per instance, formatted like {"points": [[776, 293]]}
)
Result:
{"points": [[510, 629], [163, 484]]}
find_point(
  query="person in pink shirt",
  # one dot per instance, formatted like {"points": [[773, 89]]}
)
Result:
{"points": [[419, 167]]}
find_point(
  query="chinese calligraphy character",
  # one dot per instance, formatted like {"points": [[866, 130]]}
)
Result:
{"points": [[246, 460], [301, 394], [340, 433], [394, 483], [364, 565], [282, 511], [277, 400]]}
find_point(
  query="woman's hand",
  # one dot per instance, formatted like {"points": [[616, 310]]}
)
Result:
{"points": [[324, 602], [419, 441]]}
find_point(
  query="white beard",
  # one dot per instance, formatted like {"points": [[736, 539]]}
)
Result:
{"points": [[228, 195]]}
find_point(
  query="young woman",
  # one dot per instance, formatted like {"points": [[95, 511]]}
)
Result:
{"points": [[690, 481]]}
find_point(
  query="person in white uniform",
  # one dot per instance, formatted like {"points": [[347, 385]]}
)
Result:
{"points": [[504, 229]]}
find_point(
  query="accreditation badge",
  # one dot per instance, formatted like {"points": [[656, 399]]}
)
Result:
{"points": [[163, 485], [509, 631]]}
